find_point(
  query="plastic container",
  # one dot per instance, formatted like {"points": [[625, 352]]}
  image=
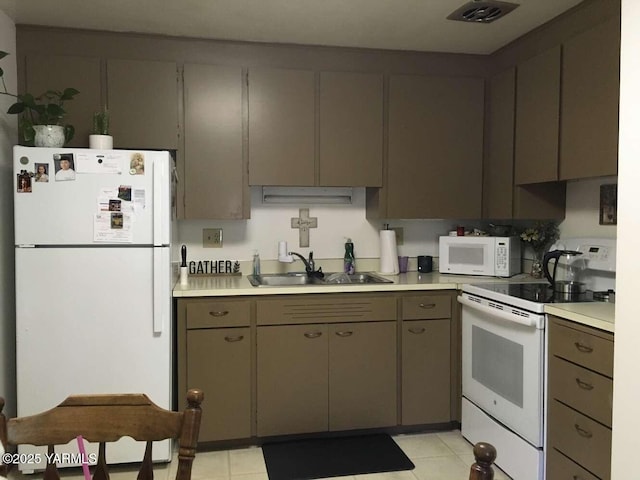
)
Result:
{"points": [[349, 258], [256, 263]]}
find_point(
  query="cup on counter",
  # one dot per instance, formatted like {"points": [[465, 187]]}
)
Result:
{"points": [[460, 231], [403, 264], [425, 263]]}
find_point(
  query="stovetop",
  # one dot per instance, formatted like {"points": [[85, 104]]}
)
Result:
{"points": [[529, 296]]}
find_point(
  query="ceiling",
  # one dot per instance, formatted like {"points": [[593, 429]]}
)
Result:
{"points": [[419, 25]]}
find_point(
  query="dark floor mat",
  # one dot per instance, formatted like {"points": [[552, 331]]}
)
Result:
{"points": [[333, 457]]}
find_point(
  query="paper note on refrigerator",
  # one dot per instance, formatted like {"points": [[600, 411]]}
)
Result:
{"points": [[112, 227], [99, 163]]}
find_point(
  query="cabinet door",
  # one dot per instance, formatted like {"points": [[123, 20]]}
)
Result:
{"points": [[281, 127], [143, 103], [292, 387], [219, 363], [435, 147], [350, 129], [214, 184], [362, 375], [537, 118], [57, 72], [497, 191], [590, 93], [426, 362]]}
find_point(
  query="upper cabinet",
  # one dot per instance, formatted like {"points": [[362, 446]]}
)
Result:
{"points": [[57, 72], [309, 129], [537, 118], [281, 127], [434, 167], [143, 102], [215, 185], [590, 98], [501, 198], [350, 129]]}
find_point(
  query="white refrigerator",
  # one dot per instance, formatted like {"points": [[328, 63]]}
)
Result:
{"points": [[93, 280]]}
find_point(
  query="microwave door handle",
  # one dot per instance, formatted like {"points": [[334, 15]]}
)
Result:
{"points": [[529, 322]]}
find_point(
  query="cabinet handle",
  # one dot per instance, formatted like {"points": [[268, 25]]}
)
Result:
{"points": [[577, 477], [584, 385], [582, 432], [219, 313], [417, 330], [344, 333], [583, 348], [312, 334], [234, 338], [427, 305]]}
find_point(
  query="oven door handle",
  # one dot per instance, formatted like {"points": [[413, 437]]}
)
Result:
{"points": [[529, 322]]}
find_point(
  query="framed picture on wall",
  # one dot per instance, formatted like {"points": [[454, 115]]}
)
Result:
{"points": [[609, 204]]}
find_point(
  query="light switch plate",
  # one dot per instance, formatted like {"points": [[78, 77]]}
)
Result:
{"points": [[212, 238]]}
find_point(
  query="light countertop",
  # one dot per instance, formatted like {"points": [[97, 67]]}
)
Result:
{"points": [[594, 314], [202, 286]]}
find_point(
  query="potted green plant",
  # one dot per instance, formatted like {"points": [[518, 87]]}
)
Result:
{"points": [[41, 116], [100, 137]]}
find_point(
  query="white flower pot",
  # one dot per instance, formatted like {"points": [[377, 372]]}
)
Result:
{"points": [[101, 142], [49, 136]]}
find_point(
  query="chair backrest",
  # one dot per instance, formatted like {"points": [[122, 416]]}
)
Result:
{"points": [[107, 418], [485, 455]]}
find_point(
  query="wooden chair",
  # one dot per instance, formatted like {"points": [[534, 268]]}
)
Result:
{"points": [[106, 418], [485, 454]]}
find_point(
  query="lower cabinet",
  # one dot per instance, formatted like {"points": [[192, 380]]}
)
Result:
{"points": [[215, 355], [301, 364], [426, 359], [319, 377], [580, 401]]}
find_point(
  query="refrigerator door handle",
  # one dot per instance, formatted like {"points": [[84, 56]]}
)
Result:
{"points": [[161, 289], [161, 200]]}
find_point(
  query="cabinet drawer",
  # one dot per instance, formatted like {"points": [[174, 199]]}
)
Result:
{"points": [[582, 389], [218, 314], [585, 441], [560, 467], [300, 309], [426, 306], [591, 350]]}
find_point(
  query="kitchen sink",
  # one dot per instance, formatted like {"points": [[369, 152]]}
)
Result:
{"points": [[300, 278]]}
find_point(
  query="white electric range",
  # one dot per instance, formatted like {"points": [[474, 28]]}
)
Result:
{"points": [[504, 358]]}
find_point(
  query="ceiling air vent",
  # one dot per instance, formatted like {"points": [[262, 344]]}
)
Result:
{"points": [[479, 11]]}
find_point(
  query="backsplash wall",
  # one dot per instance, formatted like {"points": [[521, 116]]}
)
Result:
{"points": [[271, 223]]}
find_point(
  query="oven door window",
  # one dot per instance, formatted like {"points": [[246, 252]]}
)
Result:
{"points": [[497, 363]]}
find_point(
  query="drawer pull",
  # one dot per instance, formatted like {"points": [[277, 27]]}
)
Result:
{"points": [[583, 348], [427, 305], [312, 334], [584, 385], [417, 331], [577, 477], [234, 338], [219, 313], [344, 333], [582, 432]]}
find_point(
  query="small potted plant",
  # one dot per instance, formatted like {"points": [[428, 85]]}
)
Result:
{"points": [[41, 116], [100, 137]]}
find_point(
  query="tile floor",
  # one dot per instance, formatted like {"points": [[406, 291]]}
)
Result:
{"points": [[437, 456]]}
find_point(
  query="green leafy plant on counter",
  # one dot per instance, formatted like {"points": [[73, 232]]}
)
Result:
{"points": [[44, 109], [101, 122]]}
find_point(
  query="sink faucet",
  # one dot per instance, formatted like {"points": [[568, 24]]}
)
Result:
{"points": [[309, 265]]}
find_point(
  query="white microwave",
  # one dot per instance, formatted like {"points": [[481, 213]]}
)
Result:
{"points": [[470, 255]]}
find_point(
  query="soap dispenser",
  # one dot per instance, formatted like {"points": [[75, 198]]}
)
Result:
{"points": [[349, 258]]}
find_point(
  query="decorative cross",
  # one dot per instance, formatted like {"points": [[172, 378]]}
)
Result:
{"points": [[304, 223]]}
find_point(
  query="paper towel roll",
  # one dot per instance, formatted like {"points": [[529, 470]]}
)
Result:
{"points": [[388, 253]]}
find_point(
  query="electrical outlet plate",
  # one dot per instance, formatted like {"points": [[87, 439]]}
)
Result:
{"points": [[211, 237], [399, 235]]}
